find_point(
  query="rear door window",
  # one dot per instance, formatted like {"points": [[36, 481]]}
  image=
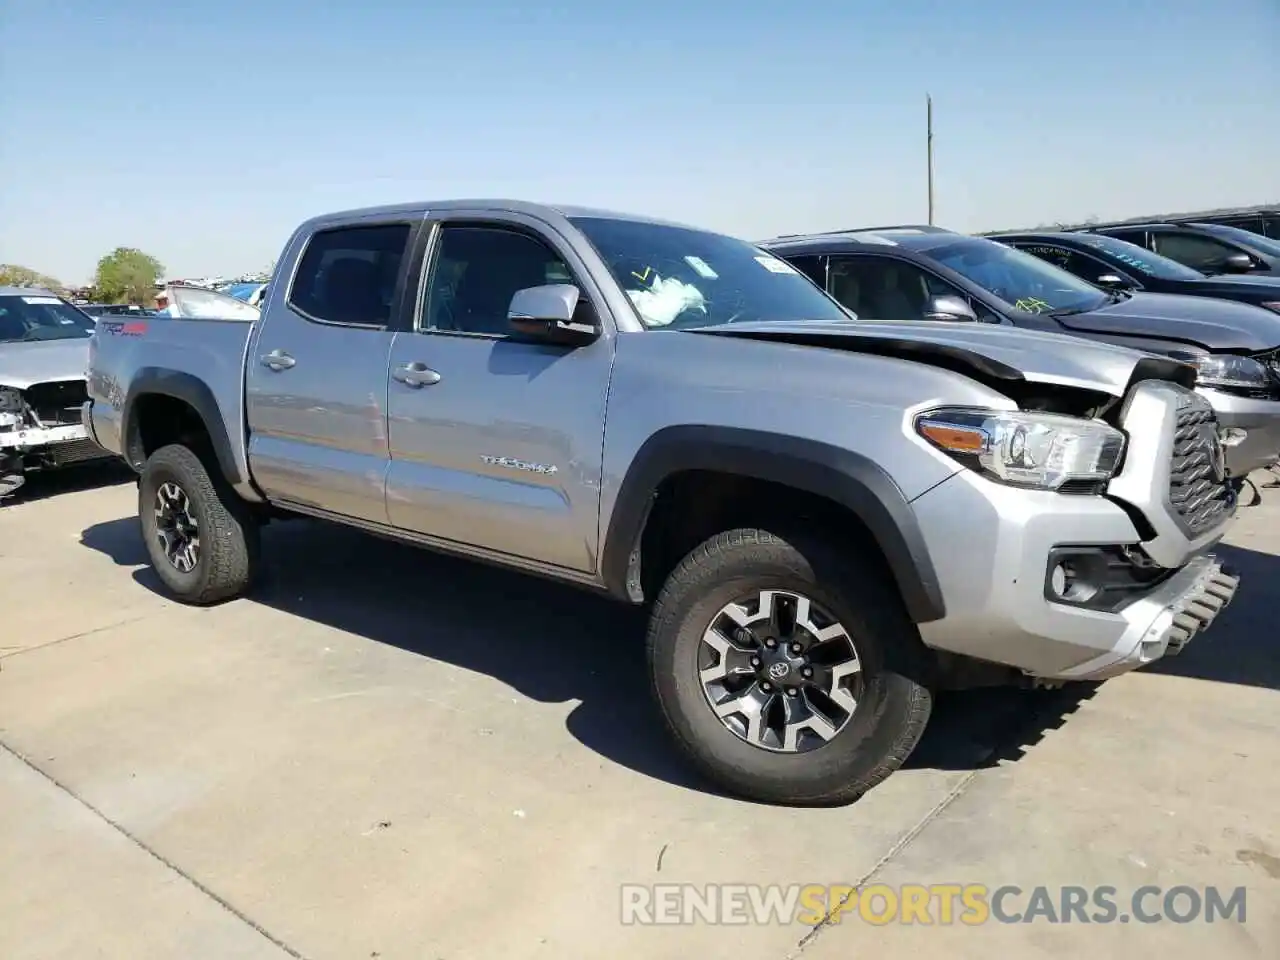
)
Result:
{"points": [[348, 275]]}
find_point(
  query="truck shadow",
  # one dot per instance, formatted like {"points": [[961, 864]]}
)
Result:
{"points": [[555, 644]]}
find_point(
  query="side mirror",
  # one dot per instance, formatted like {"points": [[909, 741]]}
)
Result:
{"points": [[1113, 281], [949, 308], [549, 314], [1237, 263]]}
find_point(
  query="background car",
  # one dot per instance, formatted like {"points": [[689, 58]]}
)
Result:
{"points": [[1210, 248], [1110, 262], [927, 273]]}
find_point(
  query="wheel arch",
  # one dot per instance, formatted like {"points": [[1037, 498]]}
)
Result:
{"points": [[847, 480], [195, 394]]}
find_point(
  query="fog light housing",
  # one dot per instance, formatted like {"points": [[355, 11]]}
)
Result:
{"points": [[1102, 578], [1075, 579]]}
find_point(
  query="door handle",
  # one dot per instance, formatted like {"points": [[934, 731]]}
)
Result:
{"points": [[277, 360], [415, 375]]}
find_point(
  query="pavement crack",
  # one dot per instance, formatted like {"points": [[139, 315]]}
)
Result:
{"points": [[73, 636], [899, 845], [154, 854]]}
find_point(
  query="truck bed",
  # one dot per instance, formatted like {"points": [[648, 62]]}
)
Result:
{"points": [[127, 353]]}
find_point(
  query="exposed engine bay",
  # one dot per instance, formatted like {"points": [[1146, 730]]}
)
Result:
{"points": [[40, 429]]}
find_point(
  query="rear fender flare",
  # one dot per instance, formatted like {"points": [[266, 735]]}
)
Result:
{"points": [[157, 381]]}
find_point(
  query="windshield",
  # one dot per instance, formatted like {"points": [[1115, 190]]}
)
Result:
{"points": [[677, 277], [1140, 258], [1022, 280], [1247, 237], [41, 317]]}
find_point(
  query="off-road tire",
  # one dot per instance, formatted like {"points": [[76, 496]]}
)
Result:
{"points": [[895, 702], [229, 533]]}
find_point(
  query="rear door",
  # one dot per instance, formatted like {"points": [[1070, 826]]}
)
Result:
{"points": [[497, 443], [316, 374]]}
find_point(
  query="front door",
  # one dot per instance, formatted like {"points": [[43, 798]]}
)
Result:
{"points": [[496, 443], [316, 374]]}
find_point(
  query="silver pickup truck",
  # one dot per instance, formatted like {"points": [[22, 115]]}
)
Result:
{"points": [[830, 518]]}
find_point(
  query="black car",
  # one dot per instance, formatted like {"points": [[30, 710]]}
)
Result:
{"points": [[931, 274], [1109, 262], [1210, 248]]}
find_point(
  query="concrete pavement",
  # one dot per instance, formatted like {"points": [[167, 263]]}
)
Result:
{"points": [[385, 753]]}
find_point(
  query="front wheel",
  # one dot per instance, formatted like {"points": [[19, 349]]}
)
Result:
{"points": [[202, 539], [787, 671]]}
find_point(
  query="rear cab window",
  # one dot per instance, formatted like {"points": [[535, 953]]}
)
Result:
{"points": [[347, 275]]}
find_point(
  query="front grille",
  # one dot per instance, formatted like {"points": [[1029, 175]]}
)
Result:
{"points": [[57, 404], [1198, 491]]}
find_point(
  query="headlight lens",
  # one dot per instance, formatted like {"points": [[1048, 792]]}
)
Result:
{"points": [[1041, 451], [1228, 370], [10, 400]]}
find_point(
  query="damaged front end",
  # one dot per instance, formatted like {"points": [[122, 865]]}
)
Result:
{"points": [[41, 429]]}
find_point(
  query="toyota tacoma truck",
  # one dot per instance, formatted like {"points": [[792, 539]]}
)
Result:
{"points": [[828, 519]]}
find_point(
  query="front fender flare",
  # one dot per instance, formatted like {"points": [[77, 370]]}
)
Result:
{"points": [[842, 476]]}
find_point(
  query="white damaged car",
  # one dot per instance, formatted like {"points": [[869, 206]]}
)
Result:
{"points": [[44, 353]]}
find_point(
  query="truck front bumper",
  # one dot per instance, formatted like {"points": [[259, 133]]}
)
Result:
{"points": [[993, 549]]}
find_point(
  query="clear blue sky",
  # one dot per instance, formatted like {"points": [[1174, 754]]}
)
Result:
{"points": [[203, 131]]}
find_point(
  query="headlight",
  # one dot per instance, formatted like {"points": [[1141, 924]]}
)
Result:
{"points": [[1042, 451], [10, 400], [1231, 371]]}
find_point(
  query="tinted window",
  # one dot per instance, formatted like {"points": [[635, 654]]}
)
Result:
{"points": [[41, 317], [1140, 258], [1194, 250], [1024, 282], [1072, 261], [812, 267], [348, 275], [1136, 237], [478, 269], [681, 277], [1257, 242], [885, 288]]}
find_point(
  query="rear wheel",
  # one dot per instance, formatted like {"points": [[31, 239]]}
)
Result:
{"points": [[787, 672], [201, 537]]}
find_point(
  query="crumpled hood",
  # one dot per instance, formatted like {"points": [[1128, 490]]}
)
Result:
{"points": [[1220, 325], [23, 364], [989, 350]]}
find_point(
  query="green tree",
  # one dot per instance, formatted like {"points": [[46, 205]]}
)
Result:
{"points": [[127, 275], [12, 275]]}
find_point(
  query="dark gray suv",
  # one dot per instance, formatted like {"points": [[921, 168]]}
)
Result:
{"points": [[930, 274]]}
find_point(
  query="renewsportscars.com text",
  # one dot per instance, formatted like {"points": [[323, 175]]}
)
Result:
{"points": [[942, 904]]}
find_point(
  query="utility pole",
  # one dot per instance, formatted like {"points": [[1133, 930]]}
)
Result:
{"points": [[928, 109]]}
